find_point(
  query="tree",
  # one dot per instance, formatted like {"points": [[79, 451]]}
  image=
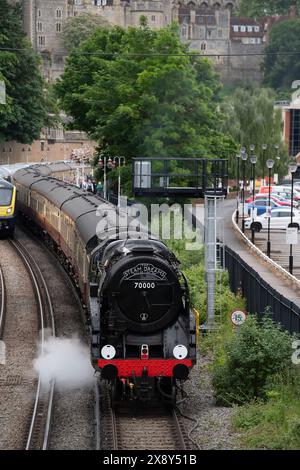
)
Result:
{"points": [[137, 93], [80, 28], [25, 112], [281, 69], [267, 7], [252, 119]]}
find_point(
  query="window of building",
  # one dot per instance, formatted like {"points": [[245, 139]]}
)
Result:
{"points": [[210, 20], [58, 13], [99, 3], [183, 31], [58, 27], [256, 29], [249, 29], [39, 13], [243, 29], [203, 46], [153, 18], [40, 26], [42, 146], [41, 40], [235, 28]]}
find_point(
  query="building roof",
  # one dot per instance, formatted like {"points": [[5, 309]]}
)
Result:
{"points": [[243, 21]]}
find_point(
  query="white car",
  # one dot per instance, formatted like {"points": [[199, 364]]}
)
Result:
{"points": [[280, 219]]}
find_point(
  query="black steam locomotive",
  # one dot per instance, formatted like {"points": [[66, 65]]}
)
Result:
{"points": [[143, 333]]}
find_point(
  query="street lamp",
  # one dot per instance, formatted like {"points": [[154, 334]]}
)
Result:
{"points": [[270, 164], [238, 156], [121, 162], [104, 164], [293, 168], [253, 160], [244, 158], [264, 149]]}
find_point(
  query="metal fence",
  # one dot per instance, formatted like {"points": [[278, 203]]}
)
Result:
{"points": [[259, 294]]}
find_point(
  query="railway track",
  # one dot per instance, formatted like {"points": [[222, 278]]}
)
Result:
{"points": [[2, 302], [130, 428], [38, 424]]}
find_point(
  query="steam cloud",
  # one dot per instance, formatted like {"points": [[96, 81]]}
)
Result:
{"points": [[66, 360]]}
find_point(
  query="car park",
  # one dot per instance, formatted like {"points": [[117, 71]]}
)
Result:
{"points": [[280, 219]]}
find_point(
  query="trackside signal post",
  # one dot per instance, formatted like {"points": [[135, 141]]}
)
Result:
{"points": [[191, 177]]}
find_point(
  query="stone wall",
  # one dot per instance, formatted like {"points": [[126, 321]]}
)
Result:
{"points": [[45, 149]]}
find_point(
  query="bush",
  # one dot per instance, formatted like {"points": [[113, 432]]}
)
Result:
{"points": [[249, 361], [274, 424], [193, 267]]}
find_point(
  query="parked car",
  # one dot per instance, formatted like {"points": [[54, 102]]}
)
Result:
{"points": [[261, 205], [280, 201], [282, 191], [280, 219]]}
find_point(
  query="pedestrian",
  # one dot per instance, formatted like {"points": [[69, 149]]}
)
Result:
{"points": [[99, 188]]}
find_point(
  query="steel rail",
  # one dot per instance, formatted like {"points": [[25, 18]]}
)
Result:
{"points": [[114, 428], [97, 414], [178, 430], [32, 266], [275, 266], [2, 303]]}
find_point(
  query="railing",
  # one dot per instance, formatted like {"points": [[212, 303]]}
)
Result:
{"points": [[194, 177], [260, 295]]}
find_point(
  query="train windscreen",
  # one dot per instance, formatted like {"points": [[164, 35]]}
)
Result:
{"points": [[5, 196]]}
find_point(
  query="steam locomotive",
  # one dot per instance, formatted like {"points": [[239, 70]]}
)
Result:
{"points": [[143, 333]]}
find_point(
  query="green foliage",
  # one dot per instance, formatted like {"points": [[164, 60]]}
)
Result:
{"points": [[266, 7], [136, 99], [26, 109], [251, 119], [281, 70], [250, 360], [79, 28], [274, 424], [193, 267]]}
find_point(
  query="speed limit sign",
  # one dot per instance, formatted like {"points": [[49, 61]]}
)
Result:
{"points": [[238, 317]]}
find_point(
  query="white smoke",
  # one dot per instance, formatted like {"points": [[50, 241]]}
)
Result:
{"points": [[66, 360]]}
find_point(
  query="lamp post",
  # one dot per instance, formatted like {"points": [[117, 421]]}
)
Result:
{"points": [[293, 168], [238, 156], [121, 162], [104, 164], [244, 158], [270, 164], [253, 160], [264, 149]]}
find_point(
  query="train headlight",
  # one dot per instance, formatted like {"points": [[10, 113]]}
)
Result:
{"points": [[9, 211], [180, 351], [108, 352]]}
